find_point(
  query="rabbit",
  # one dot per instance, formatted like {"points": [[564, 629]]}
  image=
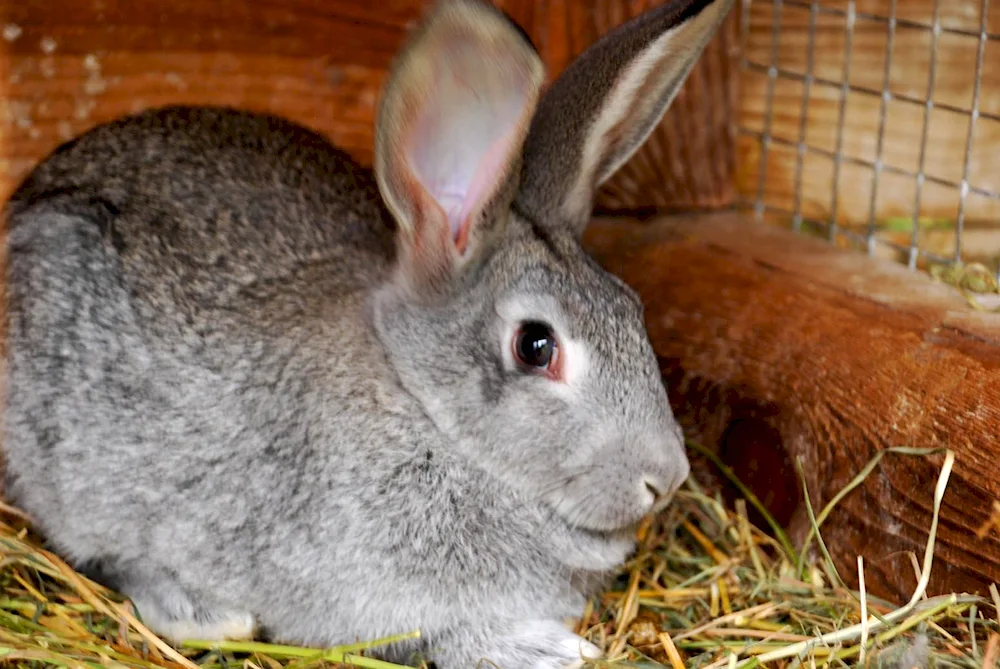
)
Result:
{"points": [[265, 392]]}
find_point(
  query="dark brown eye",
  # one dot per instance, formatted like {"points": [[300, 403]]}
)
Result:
{"points": [[535, 346]]}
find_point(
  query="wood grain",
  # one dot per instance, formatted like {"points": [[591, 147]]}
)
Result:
{"points": [[951, 90], [75, 63], [775, 346]]}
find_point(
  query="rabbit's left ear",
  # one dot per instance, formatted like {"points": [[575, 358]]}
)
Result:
{"points": [[604, 106], [450, 129]]}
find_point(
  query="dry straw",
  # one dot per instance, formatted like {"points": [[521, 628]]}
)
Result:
{"points": [[706, 589]]}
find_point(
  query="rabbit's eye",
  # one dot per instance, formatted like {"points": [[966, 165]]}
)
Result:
{"points": [[535, 346]]}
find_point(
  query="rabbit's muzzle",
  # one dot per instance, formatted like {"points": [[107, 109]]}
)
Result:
{"points": [[623, 480]]}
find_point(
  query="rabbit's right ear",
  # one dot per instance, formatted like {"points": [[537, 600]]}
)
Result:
{"points": [[604, 106], [449, 134]]}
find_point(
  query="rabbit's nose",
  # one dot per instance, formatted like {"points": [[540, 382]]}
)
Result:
{"points": [[660, 489], [657, 490], [655, 486]]}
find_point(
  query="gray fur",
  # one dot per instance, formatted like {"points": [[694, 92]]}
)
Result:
{"points": [[223, 400]]}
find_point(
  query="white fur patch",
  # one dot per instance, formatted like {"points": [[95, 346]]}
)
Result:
{"points": [[576, 364]]}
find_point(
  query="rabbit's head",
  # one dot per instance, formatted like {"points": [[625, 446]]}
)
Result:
{"points": [[530, 359]]}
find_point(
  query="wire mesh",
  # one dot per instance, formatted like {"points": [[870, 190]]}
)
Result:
{"points": [[864, 226]]}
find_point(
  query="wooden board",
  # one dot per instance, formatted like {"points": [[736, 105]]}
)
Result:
{"points": [[69, 64], [775, 346]]}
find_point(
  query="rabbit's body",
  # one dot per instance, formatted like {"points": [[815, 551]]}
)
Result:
{"points": [[182, 372], [251, 384]]}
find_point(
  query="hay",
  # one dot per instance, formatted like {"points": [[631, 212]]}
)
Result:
{"points": [[977, 283], [706, 589]]}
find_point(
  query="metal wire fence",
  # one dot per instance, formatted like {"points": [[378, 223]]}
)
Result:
{"points": [[879, 18]]}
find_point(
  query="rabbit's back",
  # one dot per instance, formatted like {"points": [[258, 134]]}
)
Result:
{"points": [[179, 284], [205, 204]]}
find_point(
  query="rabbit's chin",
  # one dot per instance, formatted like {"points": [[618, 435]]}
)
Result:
{"points": [[593, 551]]}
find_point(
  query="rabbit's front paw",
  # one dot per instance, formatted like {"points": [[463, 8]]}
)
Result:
{"points": [[170, 611], [581, 649], [549, 645], [220, 626]]}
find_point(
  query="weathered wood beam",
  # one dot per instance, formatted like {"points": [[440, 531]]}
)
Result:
{"points": [[776, 346]]}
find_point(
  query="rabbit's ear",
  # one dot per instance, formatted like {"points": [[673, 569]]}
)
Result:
{"points": [[450, 130], [604, 106]]}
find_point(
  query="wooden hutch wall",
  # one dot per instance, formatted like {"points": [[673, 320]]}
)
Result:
{"points": [[69, 64]]}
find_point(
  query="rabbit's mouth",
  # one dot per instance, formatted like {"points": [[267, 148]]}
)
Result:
{"points": [[586, 549], [597, 515], [628, 530]]}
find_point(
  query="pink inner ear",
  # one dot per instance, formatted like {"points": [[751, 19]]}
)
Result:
{"points": [[483, 183], [462, 139]]}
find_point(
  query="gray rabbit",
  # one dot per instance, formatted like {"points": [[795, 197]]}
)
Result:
{"points": [[263, 391]]}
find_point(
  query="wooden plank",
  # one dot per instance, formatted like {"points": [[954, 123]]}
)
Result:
{"points": [[75, 63], [776, 346]]}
